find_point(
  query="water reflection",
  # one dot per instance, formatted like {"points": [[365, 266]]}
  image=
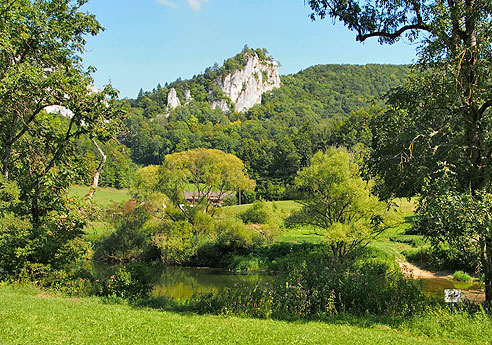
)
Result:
{"points": [[437, 285], [184, 282]]}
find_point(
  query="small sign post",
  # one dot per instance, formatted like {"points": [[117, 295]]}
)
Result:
{"points": [[452, 296]]}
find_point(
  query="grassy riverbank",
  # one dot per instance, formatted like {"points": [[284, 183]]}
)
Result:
{"points": [[30, 316]]}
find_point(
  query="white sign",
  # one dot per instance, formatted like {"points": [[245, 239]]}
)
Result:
{"points": [[452, 296]]}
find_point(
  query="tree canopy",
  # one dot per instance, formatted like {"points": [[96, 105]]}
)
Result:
{"points": [[202, 172], [439, 122], [273, 139], [41, 43], [338, 202]]}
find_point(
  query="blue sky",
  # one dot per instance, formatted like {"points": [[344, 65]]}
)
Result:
{"points": [[147, 42]]}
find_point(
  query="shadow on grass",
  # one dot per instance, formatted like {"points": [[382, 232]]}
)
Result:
{"points": [[195, 306]]}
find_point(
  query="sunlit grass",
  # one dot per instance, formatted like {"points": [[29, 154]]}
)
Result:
{"points": [[103, 196], [393, 241], [285, 206], [30, 316]]}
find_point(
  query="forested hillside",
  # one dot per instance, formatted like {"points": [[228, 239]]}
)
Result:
{"points": [[331, 91], [314, 108]]}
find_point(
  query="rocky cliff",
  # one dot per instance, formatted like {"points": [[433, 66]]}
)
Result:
{"points": [[172, 99], [246, 86], [242, 85]]}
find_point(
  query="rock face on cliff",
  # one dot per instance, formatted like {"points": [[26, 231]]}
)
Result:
{"points": [[246, 86], [172, 99], [239, 85]]}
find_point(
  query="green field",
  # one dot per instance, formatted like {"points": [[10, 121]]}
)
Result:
{"points": [[29, 316], [393, 241], [103, 196]]}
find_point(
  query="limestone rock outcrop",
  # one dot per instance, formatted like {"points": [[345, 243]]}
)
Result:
{"points": [[172, 99], [188, 97], [221, 104], [246, 86], [243, 87]]}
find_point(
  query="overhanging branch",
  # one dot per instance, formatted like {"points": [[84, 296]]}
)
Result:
{"points": [[484, 107], [392, 35]]}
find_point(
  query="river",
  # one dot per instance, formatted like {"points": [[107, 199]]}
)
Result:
{"points": [[184, 282]]}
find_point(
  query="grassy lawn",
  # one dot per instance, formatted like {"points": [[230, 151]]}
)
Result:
{"points": [[285, 206], [103, 196], [393, 241], [28, 316]]}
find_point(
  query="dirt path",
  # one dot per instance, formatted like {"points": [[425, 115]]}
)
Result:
{"points": [[412, 271]]}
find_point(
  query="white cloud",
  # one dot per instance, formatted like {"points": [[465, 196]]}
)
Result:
{"points": [[196, 4], [168, 3]]}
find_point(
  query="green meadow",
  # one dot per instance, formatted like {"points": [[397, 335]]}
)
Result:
{"points": [[103, 196], [31, 316]]}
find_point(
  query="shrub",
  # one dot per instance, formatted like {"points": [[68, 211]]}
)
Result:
{"points": [[265, 214], [175, 242], [248, 197], [444, 257], [462, 276], [234, 240], [233, 235], [270, 189], [318, 286], [131, 282], [247, 263], [230, 200], [130, 237], [258, 213]]}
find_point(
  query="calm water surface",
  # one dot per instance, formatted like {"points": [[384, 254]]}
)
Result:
{"points": [[184, 282]]}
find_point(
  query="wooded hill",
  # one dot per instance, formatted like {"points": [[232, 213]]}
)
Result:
{"points": [[315, 108]]}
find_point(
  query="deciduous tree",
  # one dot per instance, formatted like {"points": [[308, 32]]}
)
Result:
{"points": [[202, 172], [338, 202], [440, 121], [41, 42]]}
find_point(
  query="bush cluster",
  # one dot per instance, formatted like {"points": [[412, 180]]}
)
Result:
{"points": [[318, 286], [132, 281], [445, 257]]}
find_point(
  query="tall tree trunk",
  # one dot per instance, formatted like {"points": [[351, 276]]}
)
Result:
{"points": [[8, 149], [486, 253], [6, 162], [95, 179]]}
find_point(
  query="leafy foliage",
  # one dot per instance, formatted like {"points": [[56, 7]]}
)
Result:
{"points": [[452, 133], [336, 201], [40, 46], [207, 174], [274, 139], [318, 286]]}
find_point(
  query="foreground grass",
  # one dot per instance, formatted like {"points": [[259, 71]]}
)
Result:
{"points": [[28, 316]]}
